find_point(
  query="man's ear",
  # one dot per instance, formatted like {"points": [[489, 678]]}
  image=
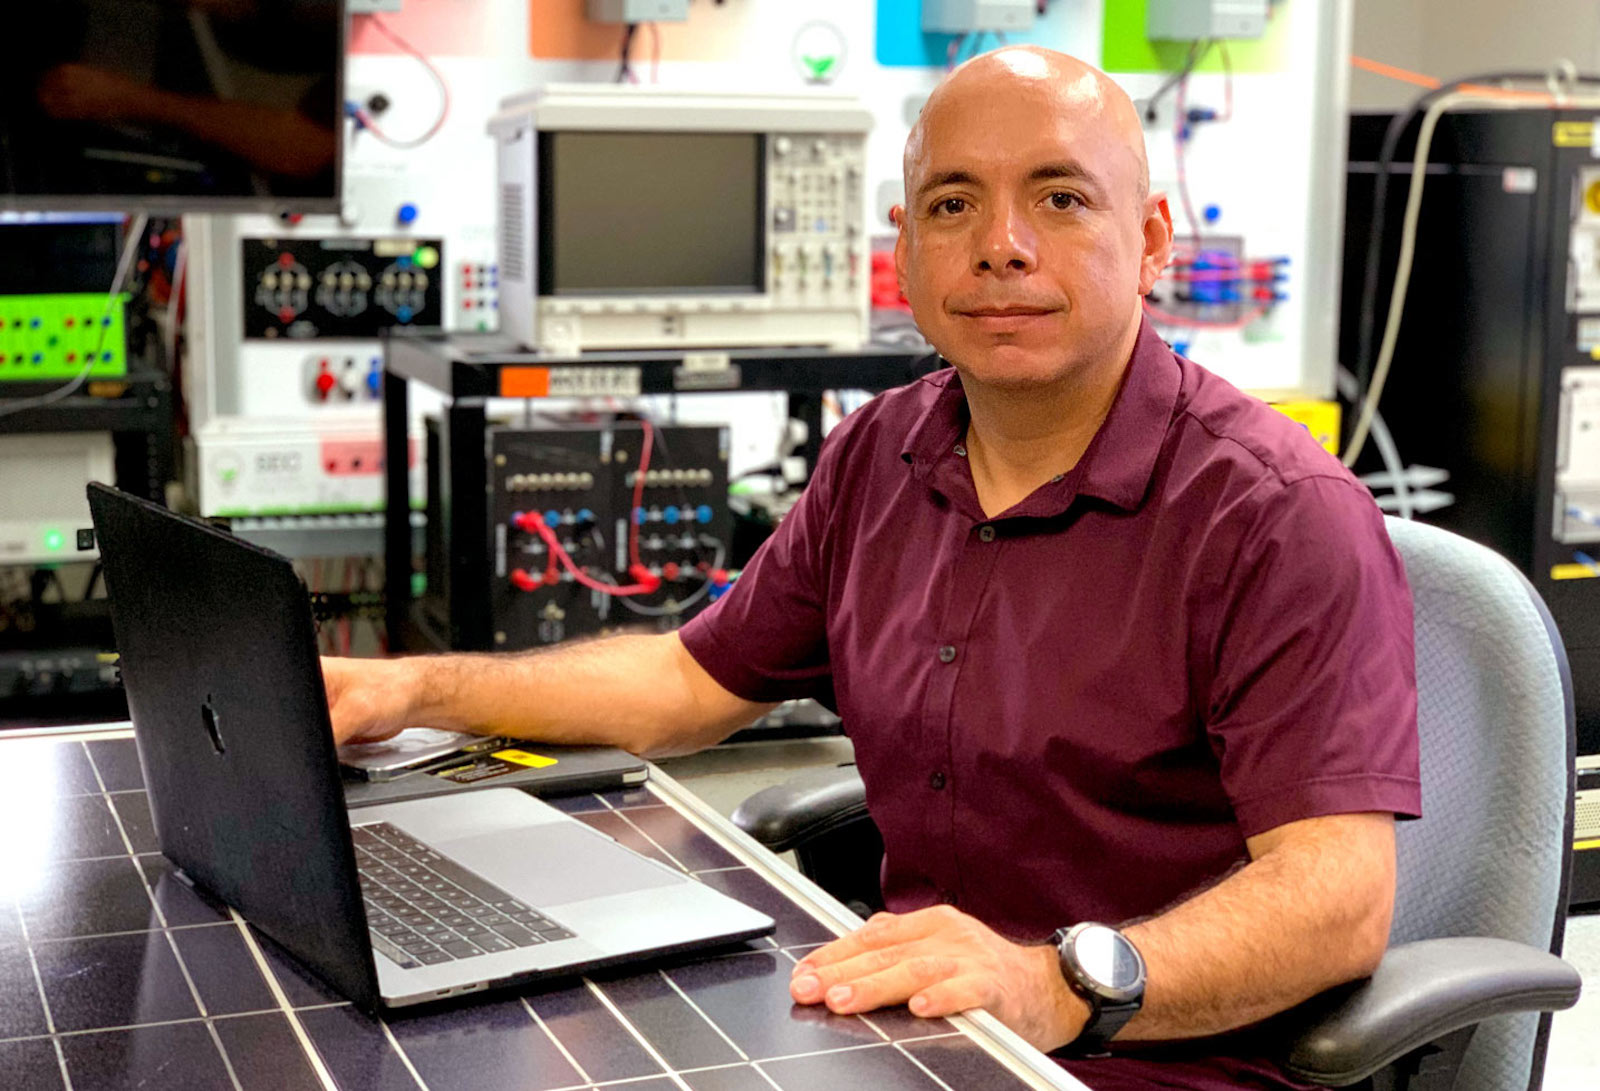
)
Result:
{"points": [[1157, 242], [897, 216]]}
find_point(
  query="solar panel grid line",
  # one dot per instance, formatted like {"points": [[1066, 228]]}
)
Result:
{"points": [[754, 1065], [766, 1076], [737, 1008], [38, 980], [802, 1055], [61, 1062], [823, 907], [865, 1017], [1000, 1043], [227, 1062], [312, 1056], [161, 918], [659, 847], [698, 1010], [863, 1048], [318, 1066], [926, 1071], [644, 1042], [405, 1059], [557, 1042], [147, 1026], [125, 932], [624, 1083], [44, 1001]]}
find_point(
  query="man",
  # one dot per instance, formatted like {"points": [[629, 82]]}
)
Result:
{"points": [[1114, 642]]}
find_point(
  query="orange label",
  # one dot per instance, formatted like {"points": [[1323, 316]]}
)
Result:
{"points": [[561, 29], [524, 382]]}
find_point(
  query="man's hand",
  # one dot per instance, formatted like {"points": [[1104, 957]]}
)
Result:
{"points": [[941, 962], [81, 91], [368, 699]]}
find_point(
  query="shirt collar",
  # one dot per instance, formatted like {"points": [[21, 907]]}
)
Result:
{"points": [[1116, 467]]}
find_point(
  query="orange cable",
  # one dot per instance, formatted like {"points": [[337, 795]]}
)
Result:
{"points": [[1405, 75]]}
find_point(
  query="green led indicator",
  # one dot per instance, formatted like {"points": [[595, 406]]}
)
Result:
{"points": [[819, 67], [54, 540]]}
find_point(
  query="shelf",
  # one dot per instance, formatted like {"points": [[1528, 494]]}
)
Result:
{"points": [[490, 365], [322, 535], [145, 406]]}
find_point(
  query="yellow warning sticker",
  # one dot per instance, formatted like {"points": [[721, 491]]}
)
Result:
{"points": [[1573, 572], [1321, 419], [1573, 134], [1581, 845], [524, 757]]}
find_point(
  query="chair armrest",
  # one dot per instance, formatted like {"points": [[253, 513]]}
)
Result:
{"points": [[804, 807], [1421, 992]]}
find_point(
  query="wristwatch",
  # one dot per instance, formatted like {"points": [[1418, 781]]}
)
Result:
{"points": [[1104, 967]]}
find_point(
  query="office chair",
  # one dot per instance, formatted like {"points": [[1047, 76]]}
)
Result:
{"points": [[1461, 999]]}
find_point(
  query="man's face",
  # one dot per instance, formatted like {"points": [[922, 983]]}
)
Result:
{"points": [[1026, 240]]}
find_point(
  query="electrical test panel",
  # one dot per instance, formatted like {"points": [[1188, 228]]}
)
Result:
{"points": [[599, 528], [55, 319]]}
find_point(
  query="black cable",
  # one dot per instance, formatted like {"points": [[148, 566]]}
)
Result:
{"points": [[1375, 232], [1196, 55], [625, 69]]}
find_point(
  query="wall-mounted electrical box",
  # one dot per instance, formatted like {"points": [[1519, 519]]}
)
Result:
{"points": [[972, 16], [1194, 20], [638, 11]]}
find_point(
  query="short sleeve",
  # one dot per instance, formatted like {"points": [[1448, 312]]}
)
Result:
{"points": [[766, 639], [1313, 697]]}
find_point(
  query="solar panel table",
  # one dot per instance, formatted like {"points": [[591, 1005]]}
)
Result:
{"points": [[115, 974]]}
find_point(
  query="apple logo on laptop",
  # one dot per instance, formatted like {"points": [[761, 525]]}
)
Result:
{"points": [[209, 715]]}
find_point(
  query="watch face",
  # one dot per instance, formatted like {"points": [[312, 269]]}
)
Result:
{"points": [[1110, 960]]}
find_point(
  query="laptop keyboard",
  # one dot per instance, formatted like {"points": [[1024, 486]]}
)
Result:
{"points": [[424, 909]]}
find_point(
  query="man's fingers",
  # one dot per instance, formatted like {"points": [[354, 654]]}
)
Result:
{"points": [[875, 933], [810, 985], [952, 996], [365, 733], [882, 930], [893, 986]]}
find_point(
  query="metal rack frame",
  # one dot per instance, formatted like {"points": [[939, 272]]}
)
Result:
{"points": [[140, 421], [470, 369]]}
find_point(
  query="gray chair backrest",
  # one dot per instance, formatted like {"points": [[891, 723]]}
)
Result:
{"points": [[1488, 857]]}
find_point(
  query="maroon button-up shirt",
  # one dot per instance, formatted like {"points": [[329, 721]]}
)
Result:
{"points": [[1079, 709]]}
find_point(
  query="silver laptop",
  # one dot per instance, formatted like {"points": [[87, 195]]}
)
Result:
{"points": [[454, 894]]}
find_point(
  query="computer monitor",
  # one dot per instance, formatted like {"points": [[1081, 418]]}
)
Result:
{"points": [[172, 105], [643, 218]]}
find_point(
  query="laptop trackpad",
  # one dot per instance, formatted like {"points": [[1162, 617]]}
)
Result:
{"points": [[558, 863]]}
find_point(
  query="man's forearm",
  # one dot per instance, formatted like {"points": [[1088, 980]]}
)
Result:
{"points": [[1287, 926], [642, 693]]}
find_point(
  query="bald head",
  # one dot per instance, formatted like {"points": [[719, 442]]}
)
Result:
{"points": [[1042, 79]]}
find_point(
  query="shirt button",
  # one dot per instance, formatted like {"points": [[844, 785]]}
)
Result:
{"points": [[936, 782], [986, 534], [960, 450], [947, 654], [1057, 478]]}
